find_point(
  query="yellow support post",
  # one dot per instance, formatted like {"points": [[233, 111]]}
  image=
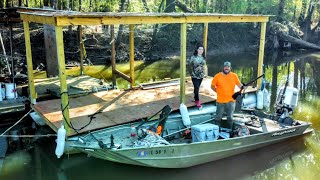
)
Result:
{"points": [[205, 44], [205, 36], [183, 60], [32, 89], [131, 42], [63, 78], [261, 51]]}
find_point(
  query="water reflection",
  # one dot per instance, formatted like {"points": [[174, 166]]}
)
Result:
{"points": [[298, 158], [44, 165]]}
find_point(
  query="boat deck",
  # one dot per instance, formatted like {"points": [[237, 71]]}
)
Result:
{"points": [[114, 107], [12, 105]]}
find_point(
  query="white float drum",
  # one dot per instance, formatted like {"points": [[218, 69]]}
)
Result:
{"points": [[1, 98], [266, 99], [3, 91], [249, 101], [260, 100], [11, 90]]}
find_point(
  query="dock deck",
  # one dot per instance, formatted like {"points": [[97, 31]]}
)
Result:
{"points": [[113, 107], [12, 105]]}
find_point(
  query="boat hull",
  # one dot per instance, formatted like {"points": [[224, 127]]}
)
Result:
{"points": [[191, 154]]}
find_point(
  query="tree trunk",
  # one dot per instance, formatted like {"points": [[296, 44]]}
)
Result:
{"points": [[298, 41], [316, 71], [183, 7], [123, 7], [281, 10], [213, 6], [1, 3], [274, 80], [155, 28], [204, 6], [145, 5], [8, 4], [46, 3], [170, 7]]}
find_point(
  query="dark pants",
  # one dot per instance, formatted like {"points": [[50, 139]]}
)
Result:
{"points": [[227, 108], [196, 84]]}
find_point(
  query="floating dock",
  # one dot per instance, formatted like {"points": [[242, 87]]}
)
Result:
{"points": [[108, 108]]}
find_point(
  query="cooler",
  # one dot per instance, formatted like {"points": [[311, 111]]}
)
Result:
{"points": [[204, 132]]}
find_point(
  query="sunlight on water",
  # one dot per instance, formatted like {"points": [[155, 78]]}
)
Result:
{"points": [[15, 162], [309, 111]]}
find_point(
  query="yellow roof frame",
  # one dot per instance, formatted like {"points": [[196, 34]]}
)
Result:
{"points": [[66, 18], [58, 19]]}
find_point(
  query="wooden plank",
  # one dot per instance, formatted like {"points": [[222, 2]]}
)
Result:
{"points": [[38, 19], [205, 36], [12, 105], [117, 107], [63, 78], [261, 52], [183, 61], [66, 18], [32, 89]]}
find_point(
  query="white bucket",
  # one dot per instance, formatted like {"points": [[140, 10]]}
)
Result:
{"points": [[1, 98], [11, 92], [3, 91]]}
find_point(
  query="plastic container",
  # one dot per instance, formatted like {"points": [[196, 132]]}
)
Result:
{"points": [[3, 91], [185, 115], [133, 131], [291, 96], [266, 99], [249, 99], [204, 132], [260, 100], [1, 97], [10, 91], [61, 140]]}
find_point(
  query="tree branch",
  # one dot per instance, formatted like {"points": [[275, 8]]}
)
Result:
{"points": [[183, 7]]}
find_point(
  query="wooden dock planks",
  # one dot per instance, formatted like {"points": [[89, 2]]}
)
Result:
{"points": [[119, 106]]}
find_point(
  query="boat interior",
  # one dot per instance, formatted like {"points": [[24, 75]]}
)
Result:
{"points": [[146, 133]]}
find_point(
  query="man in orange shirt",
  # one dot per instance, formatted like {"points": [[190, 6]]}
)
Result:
{"points": [[223, 83]]}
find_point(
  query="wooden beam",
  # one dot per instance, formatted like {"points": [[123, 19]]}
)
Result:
{"points": [[183, 60], [205, 36], [131, 42], [63, 78], [65, 21], [78, 18], [113, 56], [39, 19], [32, 89], [261, 52], [205, 44], [124, 76]]}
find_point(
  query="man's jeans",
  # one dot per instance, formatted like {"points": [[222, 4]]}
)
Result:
{"points": [[228, 108]]}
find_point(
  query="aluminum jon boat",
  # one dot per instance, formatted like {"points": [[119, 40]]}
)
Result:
{"points": [[141, 143]]}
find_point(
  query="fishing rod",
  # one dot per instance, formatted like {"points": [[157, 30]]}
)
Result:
{"points": [[235, 95]]}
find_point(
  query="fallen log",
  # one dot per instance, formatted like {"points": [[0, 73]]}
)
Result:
{"points": [[300, 42]]}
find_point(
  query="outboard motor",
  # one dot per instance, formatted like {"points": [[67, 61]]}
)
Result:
{"points": [[286, 102]]}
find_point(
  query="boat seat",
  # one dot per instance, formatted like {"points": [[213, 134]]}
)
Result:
{"points": [[161, 122], [163, 118]]}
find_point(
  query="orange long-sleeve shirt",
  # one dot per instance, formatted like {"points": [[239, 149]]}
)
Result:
{"points": [[224, 85]]}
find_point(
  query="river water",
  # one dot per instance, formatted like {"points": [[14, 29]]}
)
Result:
{"points": [[297, 158]]}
